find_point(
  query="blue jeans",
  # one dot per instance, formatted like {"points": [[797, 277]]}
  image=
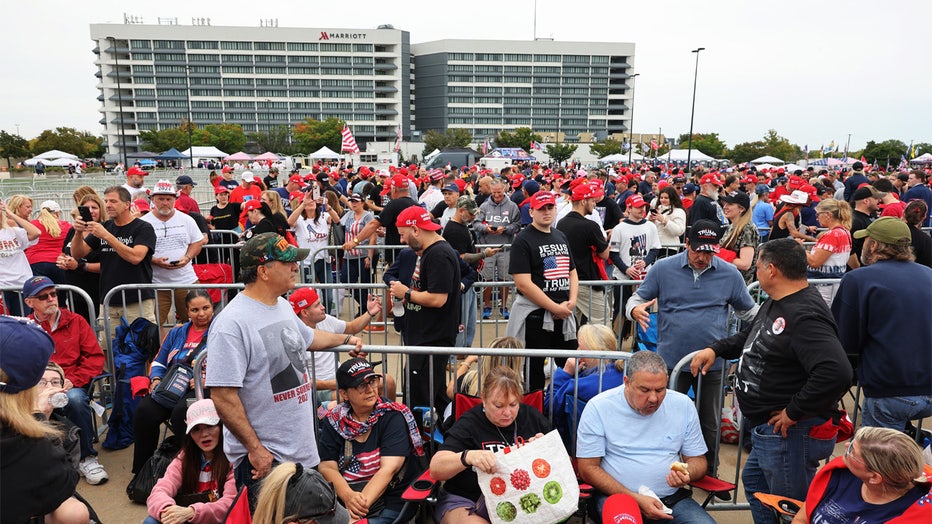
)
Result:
{"points": [[894, 412], [686, 511], [78, 411], [468, 320], [782, 466], [150, 520]]}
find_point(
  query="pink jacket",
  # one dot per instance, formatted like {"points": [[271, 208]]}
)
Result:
{"points": [[163, 493]]}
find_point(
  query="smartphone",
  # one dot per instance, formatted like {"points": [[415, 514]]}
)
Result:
{"points": [[315, 193], [174, 262], [85, 213]]}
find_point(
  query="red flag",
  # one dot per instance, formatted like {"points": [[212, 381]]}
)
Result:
{"points": [[239, 510], [863, 160], [349, 143], [653, 145]]}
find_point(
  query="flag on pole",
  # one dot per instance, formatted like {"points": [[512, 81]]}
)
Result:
{"points": [[625, 146], [349, 143], [864, 160], [653, 144], [903, 163], [536, 145], [911, 152], [398, 140]]}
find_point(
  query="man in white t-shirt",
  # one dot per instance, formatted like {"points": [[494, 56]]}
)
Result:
{"points": [[307, 305], [177, 241], [135, 178]]}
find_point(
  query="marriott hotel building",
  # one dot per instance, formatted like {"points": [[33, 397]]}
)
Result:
{"points": [[155, 76]]}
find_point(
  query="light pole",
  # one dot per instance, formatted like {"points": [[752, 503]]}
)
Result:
{"points": [[692, 113], [631, 131], [187, 92]]}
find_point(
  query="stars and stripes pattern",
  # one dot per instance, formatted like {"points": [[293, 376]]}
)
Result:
{"points": [[536, 145], [556, 266], [363, 466], [349, 143]]}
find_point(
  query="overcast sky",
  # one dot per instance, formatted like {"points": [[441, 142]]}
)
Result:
{"points": [[815, 71]]}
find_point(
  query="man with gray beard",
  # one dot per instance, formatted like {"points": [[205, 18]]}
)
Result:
{"points": [[705, 207]]}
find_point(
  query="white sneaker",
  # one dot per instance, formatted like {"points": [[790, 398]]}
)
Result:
{"points": [[92, 471]]}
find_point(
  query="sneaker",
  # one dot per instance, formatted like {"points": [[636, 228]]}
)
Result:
{"points": [[486, 313], [505, 313], [92, 471], [374, 329]]}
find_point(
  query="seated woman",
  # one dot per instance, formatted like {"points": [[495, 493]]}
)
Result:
{"points": [[879, 479], [368, 440], [182, 345], [473, 441], [292, 493], [594, 377], [198, 485]]}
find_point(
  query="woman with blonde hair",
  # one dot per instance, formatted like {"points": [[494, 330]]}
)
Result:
{"points": [[21, 206], [292, 493], [829, 257], [468, 381], [274, 200], [39, 480], [739, 243], [16, 234], [878, 479], [43, 255]]}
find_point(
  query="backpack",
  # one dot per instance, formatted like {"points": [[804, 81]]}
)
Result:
{"points": [[133, 347], [140, 487]]}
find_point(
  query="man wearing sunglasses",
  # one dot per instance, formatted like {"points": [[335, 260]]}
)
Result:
{"points": [[78, 353]]}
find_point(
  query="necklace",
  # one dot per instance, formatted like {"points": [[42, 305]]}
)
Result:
{"points": [[504, 439]]}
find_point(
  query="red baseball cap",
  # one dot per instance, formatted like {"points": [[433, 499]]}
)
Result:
{"points": [[584, 191], [635, 201], [416, 216], [395, 181], [221, 189], [710, 179], [136, 171], [302, 298], [543, 198], [295, 179]]}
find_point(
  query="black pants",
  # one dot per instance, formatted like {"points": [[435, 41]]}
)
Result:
{"points": [[419, 370], [147, 419], [536, 338]]}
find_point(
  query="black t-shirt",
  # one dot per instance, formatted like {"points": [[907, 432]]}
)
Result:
{"points": [[271, 182], [922, 246], [226, 218], [438, 210], [582, 235], [389, 215], [859, 221], [460, 238], [546, 256], [474, 431], [388, 438], [704, 208], [115, 271], [437, 271], [610, 212]]}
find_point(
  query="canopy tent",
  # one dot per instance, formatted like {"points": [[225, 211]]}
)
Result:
{"points": [[53, 154], [792, 167], [268, 156], [621, 157], [204, 152], [679, 155], [922, 159], [833, 162], [765, 166], [766, 159], [62, 162], [431, 156], [238, 157], [171, 154], [142, 154], [324, 152], [33, 161]]}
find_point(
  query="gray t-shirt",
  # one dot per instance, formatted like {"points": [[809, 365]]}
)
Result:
{"points": [[262, 350]]}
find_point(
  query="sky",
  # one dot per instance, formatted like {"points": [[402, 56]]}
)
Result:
{"points": [[815, 71]]}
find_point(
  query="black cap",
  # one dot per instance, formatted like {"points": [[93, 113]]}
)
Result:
{"points": [[857, 166], [354, 372], [738, 197], [704, 235]]}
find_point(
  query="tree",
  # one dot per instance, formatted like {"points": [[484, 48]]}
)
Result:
{"points": [[521, 137], [274, 140], [13, 146], [746, 151], [225, 137], [609, 147], [922, 148], [708, 143], [311, 135], [890, 150], [67, 139], [450, 138], [777, 146], [561, 152]]}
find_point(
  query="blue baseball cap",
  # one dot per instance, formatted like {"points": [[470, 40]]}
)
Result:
{"points": [[25, 349], [689, 189], [34, 285], [531, 186]]}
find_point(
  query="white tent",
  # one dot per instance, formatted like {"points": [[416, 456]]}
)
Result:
{"points": [[62, 162], [792, 167], [33, 161], [922, 159], [204, 152], [765, 166], [324, 152], [53, 154], [621, 157], [679, 155], [768, 160]]}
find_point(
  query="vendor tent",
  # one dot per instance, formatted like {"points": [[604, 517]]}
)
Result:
{"points": [[324, 152], [679, 155], [53, 154], [792, 167], [239, 156], [171, 154], [833, 162], [63, 162], [268, 156], [621, 157], [33, 161], [142, 154], [204, 152], [767, 160], [922, 159]]}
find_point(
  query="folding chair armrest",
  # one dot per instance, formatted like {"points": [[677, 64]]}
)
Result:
{"points": [[421, 488], [712, 484]]}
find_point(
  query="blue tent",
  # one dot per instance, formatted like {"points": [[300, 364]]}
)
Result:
{"points": [[171, 154]]}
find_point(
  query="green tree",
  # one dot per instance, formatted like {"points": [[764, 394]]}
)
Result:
{"points": [[922, 148], [521, 137], [561, 152], [225, 137], [65, 139], [13, 146], [311, 135], [887, 150], [450, 138], [165, 139], [746, 151], [708, 143], [609, 147], [777, 146], [274, 140]]}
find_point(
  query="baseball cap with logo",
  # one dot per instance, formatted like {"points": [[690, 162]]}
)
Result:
{"points": [[185, 180], [584, 191], [136, 171], [450, 188], [163, 187], [266, 247], [635, 201], [416, 216], [201, 412], [23, 368], [541, 199], [704, 235], [710, 179], [397, 181], [36, 284], [354, 372], [247, 176], [302, 298], [889, 230]]}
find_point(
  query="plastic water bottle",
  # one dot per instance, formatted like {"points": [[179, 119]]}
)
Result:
{"points": [[58, 400], [398, 308]]}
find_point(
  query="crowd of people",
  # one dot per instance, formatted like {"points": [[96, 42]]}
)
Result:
{"points": [[798, 350]]}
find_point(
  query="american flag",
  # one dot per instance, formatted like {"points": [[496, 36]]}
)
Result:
{"points": [[349, 143], [536, 145], [397, 140], [363, 466], [556, 267], [653, 144]]}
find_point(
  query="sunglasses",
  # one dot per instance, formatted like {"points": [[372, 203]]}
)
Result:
{"points": [[850, 454], [46, 296]]}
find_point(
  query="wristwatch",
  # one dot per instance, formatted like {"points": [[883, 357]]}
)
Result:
{"points": [[408, 297]]}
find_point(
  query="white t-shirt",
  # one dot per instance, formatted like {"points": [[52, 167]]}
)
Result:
{"points": [[633, 242], [172, 238], [313, 234], [431, 197], [134, 191], [14, 267], [325, 362]]}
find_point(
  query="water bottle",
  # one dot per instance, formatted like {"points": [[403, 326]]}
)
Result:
{"points": [[398, 307], [58, 400], [429, 419]]}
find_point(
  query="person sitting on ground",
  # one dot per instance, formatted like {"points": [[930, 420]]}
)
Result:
{"points": [[878, 479], [182, 345], [474, 439], [292, 493], [198, 485], [371, 439]]}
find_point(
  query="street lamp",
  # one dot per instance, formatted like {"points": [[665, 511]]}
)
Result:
{"points": [[692, 113], [631, 121]]}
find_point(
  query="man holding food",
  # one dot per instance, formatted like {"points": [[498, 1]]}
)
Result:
{"points": [[643, 440]]}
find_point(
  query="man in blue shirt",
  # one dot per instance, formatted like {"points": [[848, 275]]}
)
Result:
{"points": [[693, 291]]}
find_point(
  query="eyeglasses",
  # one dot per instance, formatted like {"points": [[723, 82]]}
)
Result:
{"points": [[46, 296], [371, 383], [850, 454], [55, 383]]}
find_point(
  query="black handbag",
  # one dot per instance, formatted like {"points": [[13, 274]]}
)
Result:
{"points": [[141, 486], [173, 386]]}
